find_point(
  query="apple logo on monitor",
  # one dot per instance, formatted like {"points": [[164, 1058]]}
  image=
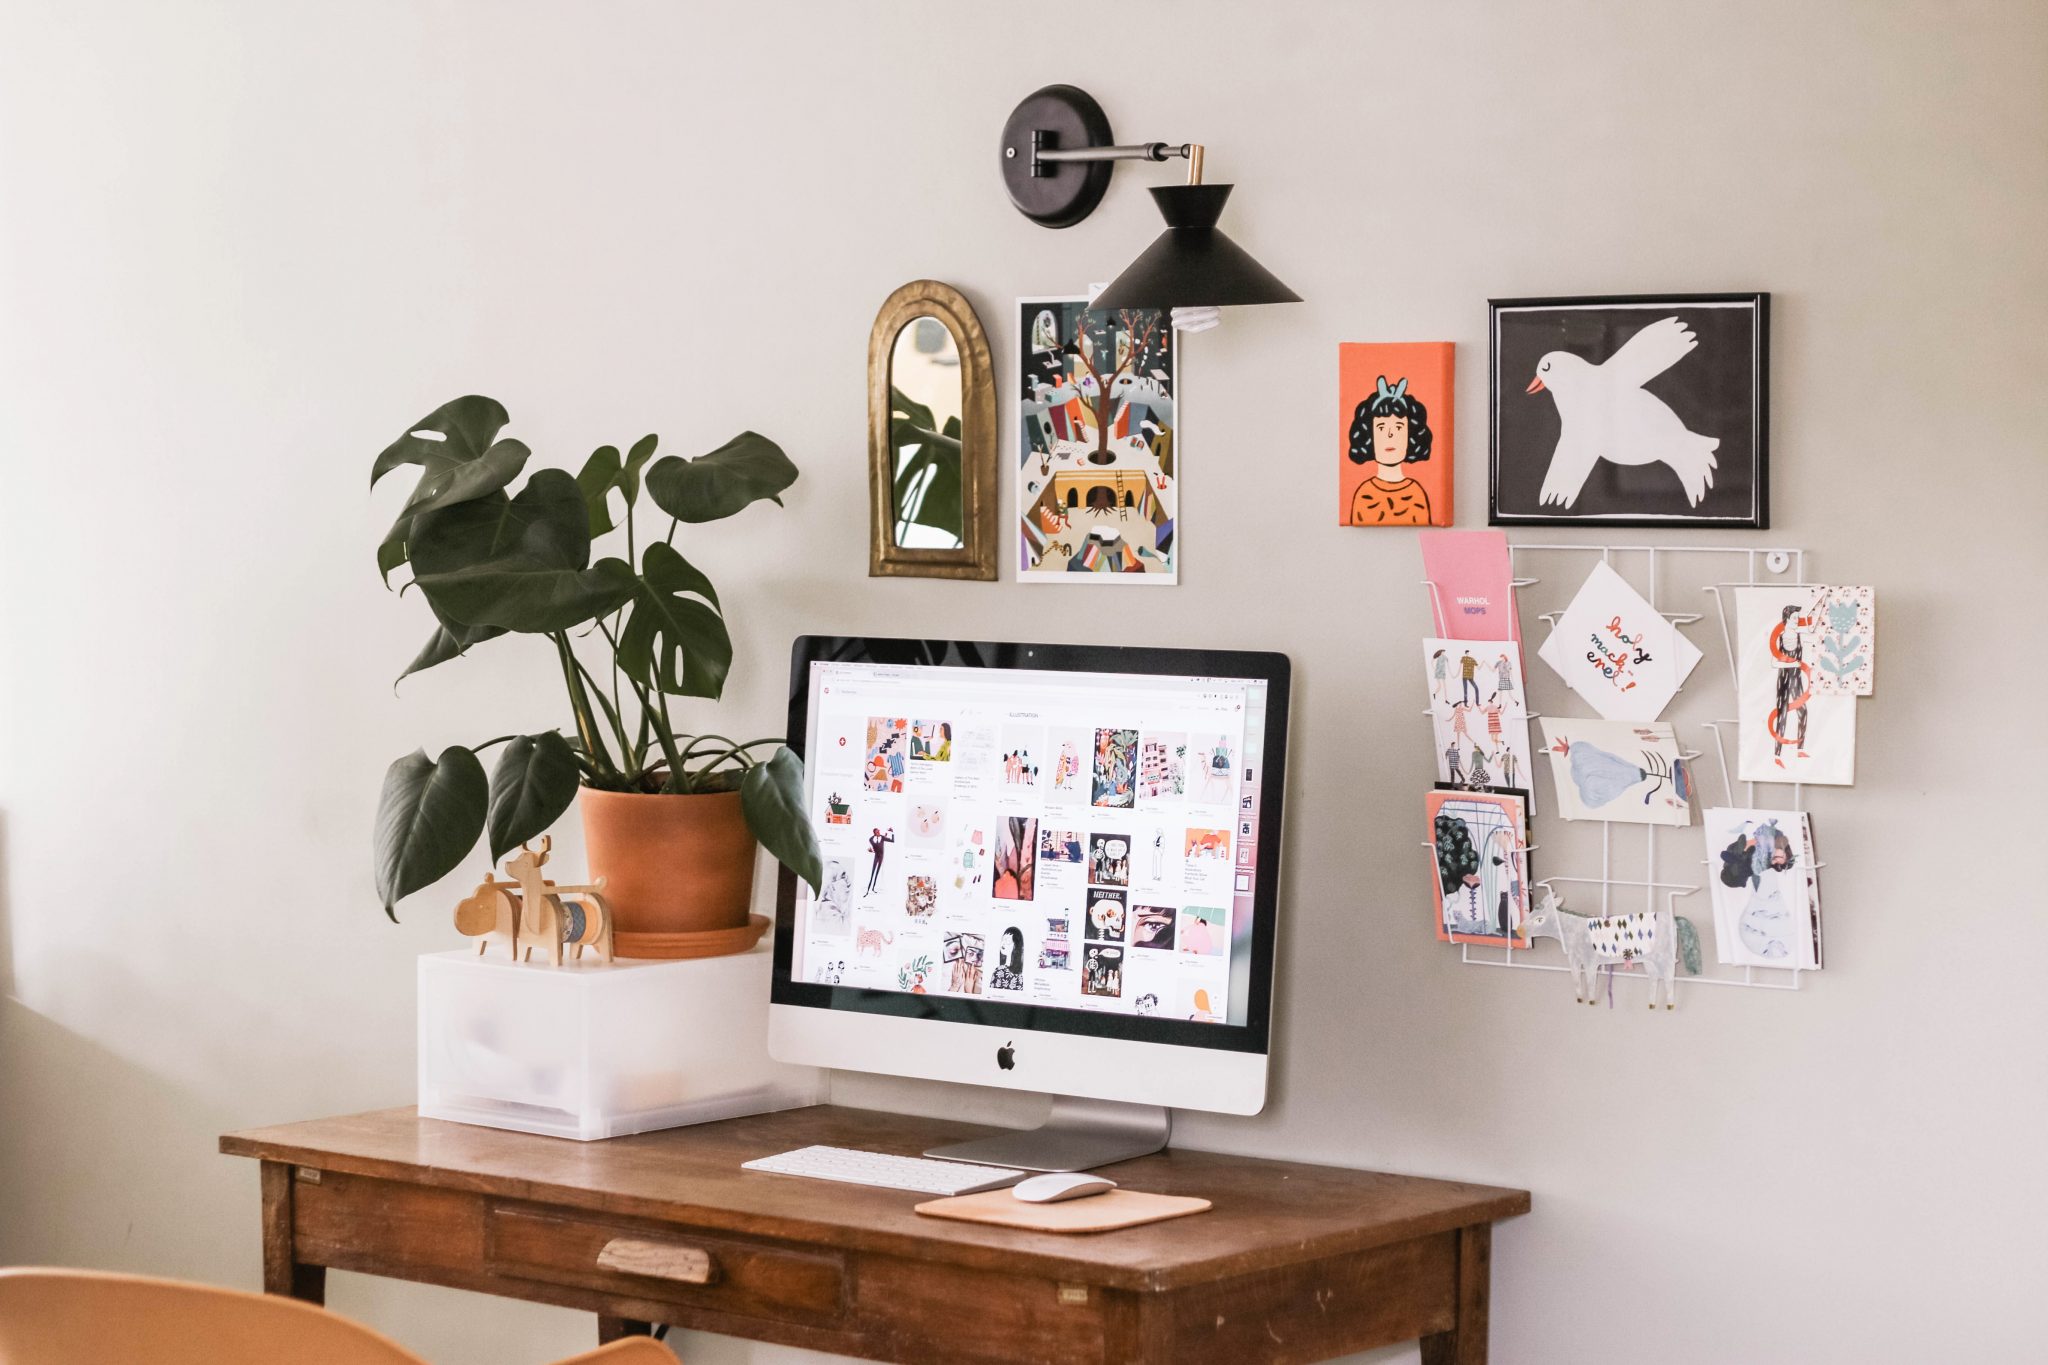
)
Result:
{"points": [[1006, 1057]]}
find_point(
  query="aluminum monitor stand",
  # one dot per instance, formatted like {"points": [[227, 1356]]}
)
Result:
{"points": [[1078, 1135]]}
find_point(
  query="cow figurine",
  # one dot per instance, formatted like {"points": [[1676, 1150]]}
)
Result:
{"points": [[1658, 939], [530, 910]]}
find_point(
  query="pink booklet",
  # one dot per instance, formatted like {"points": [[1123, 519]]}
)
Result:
{"points": [[1474, 580]]}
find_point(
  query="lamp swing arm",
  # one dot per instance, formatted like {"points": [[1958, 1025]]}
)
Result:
{"points": [[1044, 157]]}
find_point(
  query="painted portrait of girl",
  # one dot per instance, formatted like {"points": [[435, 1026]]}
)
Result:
{"points": [[1394, 465], [1390, 431]]}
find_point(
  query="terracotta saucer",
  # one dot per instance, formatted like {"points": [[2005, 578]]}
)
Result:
{"points": [[704, 943]]}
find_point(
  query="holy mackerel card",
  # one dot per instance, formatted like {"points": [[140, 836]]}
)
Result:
{"points": [[1617, 651]]}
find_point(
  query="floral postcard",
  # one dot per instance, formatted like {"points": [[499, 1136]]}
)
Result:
{"points": [[1841, 639]]}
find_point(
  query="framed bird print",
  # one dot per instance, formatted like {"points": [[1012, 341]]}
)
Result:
{"points": [[1644, 410]]}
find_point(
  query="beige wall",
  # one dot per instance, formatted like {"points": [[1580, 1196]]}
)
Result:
{"points": [[242, 243]]}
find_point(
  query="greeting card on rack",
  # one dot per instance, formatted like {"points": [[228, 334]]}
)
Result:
{"points": [[1790, 732], [1474, 582], [1618, 770], [1766, 893], [1478, 709], [1481, 845], [1617, 651], [1841, 640]]}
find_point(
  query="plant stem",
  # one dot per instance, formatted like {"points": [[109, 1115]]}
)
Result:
{"points": [[611, 714], [579, 706], [501, 739], [662, 731]]}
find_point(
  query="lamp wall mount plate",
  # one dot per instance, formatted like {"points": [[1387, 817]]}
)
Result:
{"points": [[1057, 155]]}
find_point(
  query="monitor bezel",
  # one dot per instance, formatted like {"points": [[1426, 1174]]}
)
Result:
{"points": [[1273, 669]]}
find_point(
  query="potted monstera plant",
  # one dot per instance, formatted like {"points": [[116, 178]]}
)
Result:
{"points": [[671, 819]]}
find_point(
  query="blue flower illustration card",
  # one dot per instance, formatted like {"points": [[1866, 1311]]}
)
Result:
{"points": [[1618, 770], [1841, 639]]}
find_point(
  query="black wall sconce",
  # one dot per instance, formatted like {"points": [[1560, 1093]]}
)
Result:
{"points": [[1057, 157]]}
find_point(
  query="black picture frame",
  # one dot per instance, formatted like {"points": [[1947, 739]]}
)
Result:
{"points": [[1718, 389]]}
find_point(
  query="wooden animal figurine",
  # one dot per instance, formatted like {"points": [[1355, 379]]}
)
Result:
{"points": [[490, 914], [1658, 939], [559, 917]]}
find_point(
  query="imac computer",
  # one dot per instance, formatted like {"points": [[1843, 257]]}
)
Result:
{"points": [[1046, 867]]}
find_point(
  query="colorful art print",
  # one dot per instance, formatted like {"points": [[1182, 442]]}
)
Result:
{"points": [[1480, 843], [1394, 414], [1059, 846], [931, 741], [1021, 751], [1116, 769], [1646, 410], [1109, 859], [1472, 584], [1097, 448], [838, 810], [1618, 770], [888, 753], [1102, 970], [970, 860], [1152, 926], [1208, 844], [1016, 864], [1617, 651], [920, 896], [912, 975], [1106, 917], [1196, 1004], [878, 850], [1162, 767], [1054, 957], [1478, 707], [1006, 973], [1788, 731], [1070, 768], [927, 823], [1842, 641], [1212, 769], [963, 953], [1201, 930], [1766, 900]]}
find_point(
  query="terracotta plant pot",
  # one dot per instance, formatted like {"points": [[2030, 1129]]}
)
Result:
{"points": [[678, 871]]}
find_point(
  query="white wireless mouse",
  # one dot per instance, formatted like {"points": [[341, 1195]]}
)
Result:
{"points": [[1060, 1186]]}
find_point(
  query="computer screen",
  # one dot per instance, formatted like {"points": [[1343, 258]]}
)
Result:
{"points": [[1051, 837]]}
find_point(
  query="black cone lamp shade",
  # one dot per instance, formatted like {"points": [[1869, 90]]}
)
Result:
{"points": [[1193, 265]]}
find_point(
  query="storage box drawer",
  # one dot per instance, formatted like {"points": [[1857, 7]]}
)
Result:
{"points": [[665, 1264]]}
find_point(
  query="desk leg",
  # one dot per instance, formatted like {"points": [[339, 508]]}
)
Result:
{"points": [[282, 1274], [610, 1329], [1465, 1343]]}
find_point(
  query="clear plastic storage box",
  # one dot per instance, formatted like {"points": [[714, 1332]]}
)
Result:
{"points": [[588, 1050]]}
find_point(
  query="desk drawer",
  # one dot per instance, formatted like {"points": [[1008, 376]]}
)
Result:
{"points": [[665, 1264]]}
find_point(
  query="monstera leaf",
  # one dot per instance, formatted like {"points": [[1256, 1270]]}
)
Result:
{"points": [[927, 458], [429, 815], [744, 470], [672, 640], [598, 477], [772, 796], [520, 564], [533, 784], [460, 458], [448, 642]]}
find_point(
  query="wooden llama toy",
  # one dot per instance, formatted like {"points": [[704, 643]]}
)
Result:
{"points": [[532, 908]]}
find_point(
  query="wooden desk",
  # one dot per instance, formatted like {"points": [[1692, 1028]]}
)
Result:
{"points": [[1294, 1263]]}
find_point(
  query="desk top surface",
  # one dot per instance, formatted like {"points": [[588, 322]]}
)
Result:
{"points": [[1266, 1214]]}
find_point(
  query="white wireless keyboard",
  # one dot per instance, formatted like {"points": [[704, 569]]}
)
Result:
{"points": [[891, 1172]]}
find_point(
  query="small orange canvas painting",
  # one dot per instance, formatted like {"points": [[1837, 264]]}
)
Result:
{"points": [[1394, 433]]}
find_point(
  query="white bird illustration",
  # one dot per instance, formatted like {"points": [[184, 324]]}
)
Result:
{"points": [[1604, 414]]}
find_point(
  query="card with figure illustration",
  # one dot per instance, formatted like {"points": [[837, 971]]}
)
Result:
{"points": [[1479, 711], [1098, 458], [1618, 651], [1394, 415], [1789, 732], [1766, 896], [1480, 843], [1618, 770]]}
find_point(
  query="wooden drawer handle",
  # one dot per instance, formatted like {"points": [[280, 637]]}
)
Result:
{"points": [[656, 1260]]}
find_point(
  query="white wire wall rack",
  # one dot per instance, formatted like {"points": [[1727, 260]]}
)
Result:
{"points": [[1617, 892]]}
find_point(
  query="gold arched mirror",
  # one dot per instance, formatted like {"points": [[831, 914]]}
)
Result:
{"points": [[931, 438]]}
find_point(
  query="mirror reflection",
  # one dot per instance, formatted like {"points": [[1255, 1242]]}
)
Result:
{"points": [[926, 406]]}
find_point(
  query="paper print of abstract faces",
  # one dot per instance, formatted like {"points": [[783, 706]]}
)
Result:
{"points": [[1841, 639], [1766, 893], [1615, 650], [1790, 732], [1394, 434], [1618, 770]]}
